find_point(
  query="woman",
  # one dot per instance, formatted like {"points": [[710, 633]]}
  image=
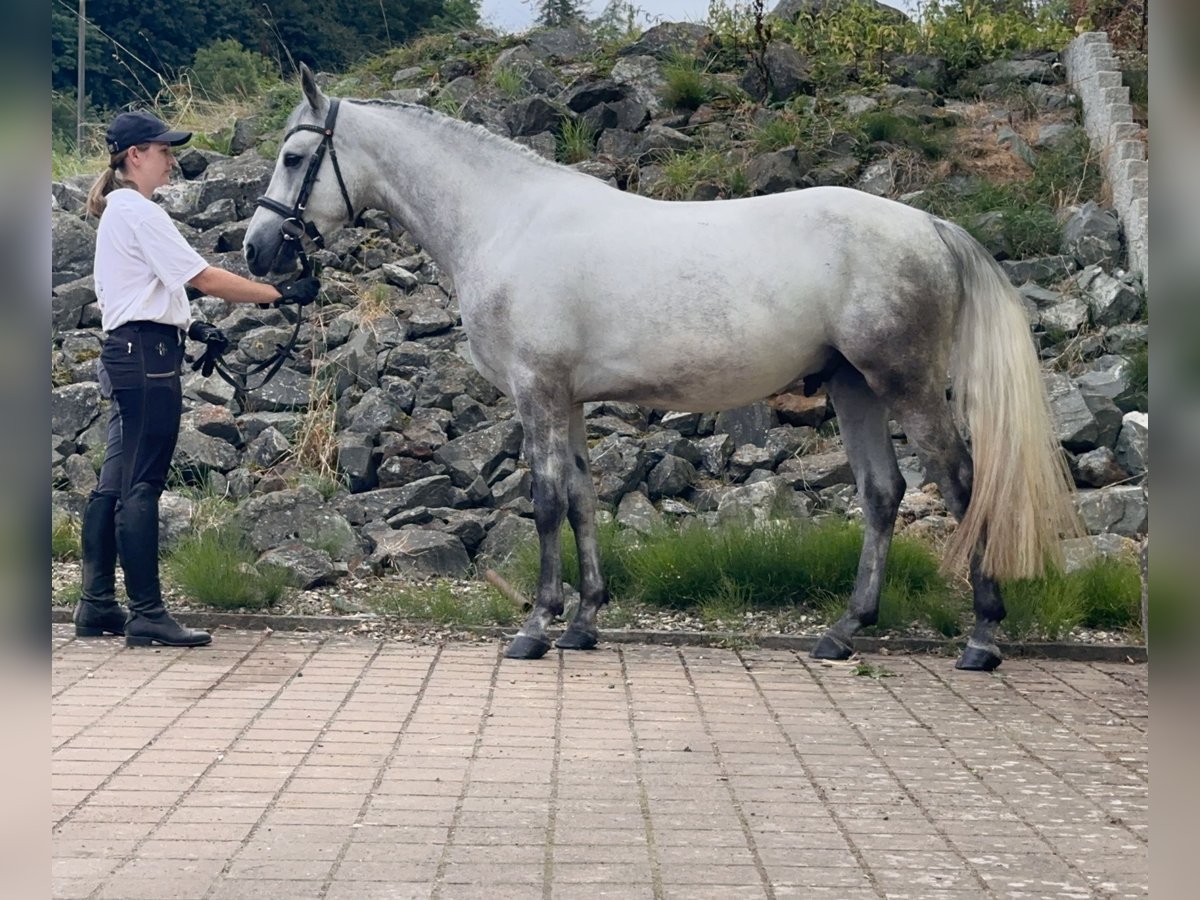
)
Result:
{"points": [[142, 265]]}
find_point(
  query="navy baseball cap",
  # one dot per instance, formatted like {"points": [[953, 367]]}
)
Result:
{"points": [[140, 127]]}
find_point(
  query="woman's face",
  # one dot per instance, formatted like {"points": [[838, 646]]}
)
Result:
{"points": [[152, 166]]}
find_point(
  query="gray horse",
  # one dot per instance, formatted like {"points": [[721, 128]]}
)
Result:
{"points": [[572, 291]]}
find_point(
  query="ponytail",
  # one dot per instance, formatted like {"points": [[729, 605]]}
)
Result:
{"points": [[108, 181]]}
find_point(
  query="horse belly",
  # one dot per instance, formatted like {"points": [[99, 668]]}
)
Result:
{"points": [[700, 379]]}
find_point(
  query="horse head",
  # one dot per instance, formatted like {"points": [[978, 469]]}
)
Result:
{"points": [[301, 200]]}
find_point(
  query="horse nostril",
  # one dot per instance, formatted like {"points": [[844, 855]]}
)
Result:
{"points": [[250, 252]]}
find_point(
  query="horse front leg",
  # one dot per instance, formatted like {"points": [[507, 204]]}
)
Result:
{"points": [[863, 420], [582, 633], [546, 446]]}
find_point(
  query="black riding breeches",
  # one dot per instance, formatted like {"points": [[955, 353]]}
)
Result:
{"points": [[142, 361]]}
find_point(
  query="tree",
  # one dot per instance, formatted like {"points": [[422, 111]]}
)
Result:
{"points": [[556, 13], [135, 48]]}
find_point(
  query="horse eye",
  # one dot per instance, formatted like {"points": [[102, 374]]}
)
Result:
{"points": [[291, 160]]}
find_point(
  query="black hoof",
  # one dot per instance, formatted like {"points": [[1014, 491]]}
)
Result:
{"points": [[577, 639], [831, 648], [525, 647], [977, 659]]}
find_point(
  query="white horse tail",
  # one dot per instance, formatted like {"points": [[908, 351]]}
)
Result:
{"points": [[1021, 494]]}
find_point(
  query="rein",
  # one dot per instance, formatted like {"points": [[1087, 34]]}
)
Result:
{"points": [[295, 229]]}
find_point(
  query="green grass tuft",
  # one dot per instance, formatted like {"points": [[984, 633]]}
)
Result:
{"points": [[216, 567], [65, 539], [687, 86], [441, 603], [1104, 594], [737, 566], [576, 142]]}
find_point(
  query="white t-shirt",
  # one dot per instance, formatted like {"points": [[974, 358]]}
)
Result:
{"points": [[142, 264]]}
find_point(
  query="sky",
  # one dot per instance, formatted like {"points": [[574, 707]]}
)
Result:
{"points": [[517, 15]]}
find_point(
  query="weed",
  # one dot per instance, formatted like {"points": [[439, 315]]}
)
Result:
{"points": [[65, 539], [68, 594], [870, 670], [1139, 370], [682, 172], [443, 603], [575, 142], [508, 81], [216, 567], [687, 86], [1104, 594]]}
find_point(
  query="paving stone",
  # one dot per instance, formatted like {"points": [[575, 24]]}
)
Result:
{"points": [[348, 767]]}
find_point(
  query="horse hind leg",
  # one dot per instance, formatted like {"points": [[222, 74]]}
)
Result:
{"points": [[547, 448], [931, 429], [582, 633], [863, 420]]}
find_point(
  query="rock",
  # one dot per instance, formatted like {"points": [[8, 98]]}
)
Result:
{"points": [[513, 492], [1074, 423], [300, 514], [1016, 145], [618, 465], [358, 461], [175, 516], [214, 421], [1098, 468], [1054, 135], [566, 44], [269, 448], [478, 453], [73, 247], [1120, 509], [197, 455], [878, 178], [748, 458], [780, 170], [421, 551], [797, 409], [307, 567], [747, 424], [669, 41], [762, 501], [814, 471], [1064, 319], [1040, 269], [636, 512], [503, 538], [73, 407], [1110, 301], [1133, 443], [534, 115], [787, 74], [1082, 552], [68, 302], [643, 77], [1019, 71], [670, 478]]}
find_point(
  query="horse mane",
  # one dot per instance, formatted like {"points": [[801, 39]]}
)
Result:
{"points": [[460, 128]]}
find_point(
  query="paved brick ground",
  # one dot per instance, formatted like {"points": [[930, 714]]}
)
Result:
{"points": [[325, 766]]}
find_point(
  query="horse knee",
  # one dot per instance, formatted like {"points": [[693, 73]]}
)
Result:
{"points": [[881, 497]]}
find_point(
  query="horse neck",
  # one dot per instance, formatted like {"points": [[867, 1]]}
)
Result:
{"points": [[452, 185]]}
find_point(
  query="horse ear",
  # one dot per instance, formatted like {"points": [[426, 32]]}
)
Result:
{"points": [[308, 82]]}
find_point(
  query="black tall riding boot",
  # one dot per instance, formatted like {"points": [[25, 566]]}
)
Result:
{"points": [[97, 613], [137, 540]]}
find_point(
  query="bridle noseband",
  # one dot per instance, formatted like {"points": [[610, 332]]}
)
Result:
{"points": [[293, 228]]}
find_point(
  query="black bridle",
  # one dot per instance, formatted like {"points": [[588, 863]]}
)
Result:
{"points": [[293, 228]]}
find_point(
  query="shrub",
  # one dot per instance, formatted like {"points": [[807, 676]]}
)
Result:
{"points": [[216, 567], [227, 69]]}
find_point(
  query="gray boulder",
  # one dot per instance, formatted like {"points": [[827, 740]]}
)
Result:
{"points": [[300, 514], [1120, 509], [73, 407], [1133, 443], [420, 551], [307, 567]]}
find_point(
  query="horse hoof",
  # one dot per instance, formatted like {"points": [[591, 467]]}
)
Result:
{"points": [[978, 659], [525, 647], [831, 648], [577, 639]]}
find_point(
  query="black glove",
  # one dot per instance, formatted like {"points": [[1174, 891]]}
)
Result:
{"points": [[302, 291], [216, 341]]}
